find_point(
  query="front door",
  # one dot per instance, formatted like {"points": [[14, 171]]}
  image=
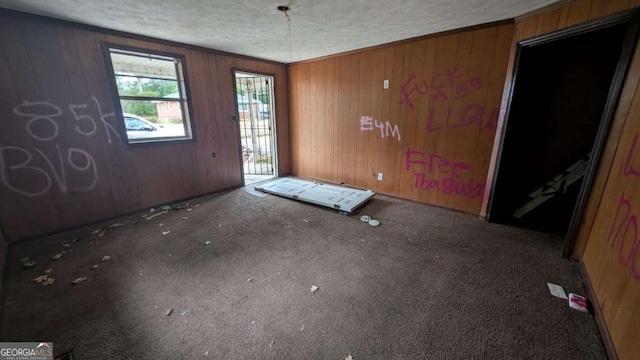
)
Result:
{"points": [[256, 117]]}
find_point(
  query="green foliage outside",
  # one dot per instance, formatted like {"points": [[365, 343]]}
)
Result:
{"points": [[262, 95], [129, 86]]}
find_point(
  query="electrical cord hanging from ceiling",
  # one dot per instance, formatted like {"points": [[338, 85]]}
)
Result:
{"points": [[285, 10]]}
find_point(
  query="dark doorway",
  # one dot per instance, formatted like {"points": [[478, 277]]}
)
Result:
{"points": [[559, 97]]}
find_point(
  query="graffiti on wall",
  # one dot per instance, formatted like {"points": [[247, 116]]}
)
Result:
{"points": [[442, 89], [623, 235], [69, 169], [367, 123], [440, 174]]}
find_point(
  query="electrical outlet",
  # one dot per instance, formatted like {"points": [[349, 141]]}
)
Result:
{"points": [[386, 83], [379, 176]]}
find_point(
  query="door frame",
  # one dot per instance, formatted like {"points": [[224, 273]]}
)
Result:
{"points": [[273, 120], [617, 82]]}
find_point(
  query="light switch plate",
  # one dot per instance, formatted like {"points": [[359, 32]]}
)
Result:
{"points": [[386, 83]]}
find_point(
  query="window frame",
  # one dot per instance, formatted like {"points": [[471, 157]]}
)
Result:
{"points": [[184, 91]]}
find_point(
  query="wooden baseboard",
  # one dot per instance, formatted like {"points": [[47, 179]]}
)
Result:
{"points": [[602, 326]]}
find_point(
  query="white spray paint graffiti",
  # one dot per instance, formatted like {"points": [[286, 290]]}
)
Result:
{"points": [[367, 123], [77, 161]]}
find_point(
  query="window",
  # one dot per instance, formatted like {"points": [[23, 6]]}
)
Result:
{"points": [[146, 85]]}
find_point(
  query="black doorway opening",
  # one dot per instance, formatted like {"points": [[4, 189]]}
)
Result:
{"points": [[562, 89]]}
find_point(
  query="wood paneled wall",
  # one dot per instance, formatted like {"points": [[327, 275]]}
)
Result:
{"points": [[72, 178], [608, 240], [430, 134]]}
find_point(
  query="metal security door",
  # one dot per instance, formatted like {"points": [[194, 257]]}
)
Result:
{"points": [[256, 118]]}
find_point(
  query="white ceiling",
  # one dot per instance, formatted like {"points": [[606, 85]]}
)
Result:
{"points": [[256, 28]]}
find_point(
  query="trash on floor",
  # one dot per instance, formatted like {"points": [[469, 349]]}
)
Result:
{"points": [[66, 245], [28, 264], [169, 312], [24, 259], [106, 258], [115, 225], [185, 218], [184, 313], [250, 279], [374, 222], [57, 256], [314, 288], [48, 271], [365, 218], [207, 242], [557, 291], [166, 232], [578, 302], [160, 225], [48, 281], [97, 231], [190, 209], [165, 208], [206, 353], [95, 267], [302, 327], [78, 280], [349, 357], [41, 278], [155, 215], [272, 343]]}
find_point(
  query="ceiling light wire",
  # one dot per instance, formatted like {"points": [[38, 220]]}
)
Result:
{"points": [[285, 10]]}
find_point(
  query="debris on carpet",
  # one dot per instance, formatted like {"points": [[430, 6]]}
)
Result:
{"points": [[314, 288], [78, 280], [578, 302], [557, 291], [156, 215]]}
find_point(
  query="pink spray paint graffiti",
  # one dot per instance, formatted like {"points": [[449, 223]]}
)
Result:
{"points": [[444, 87], [433, 164], [623, 234], [627, 240], [628, 166]]}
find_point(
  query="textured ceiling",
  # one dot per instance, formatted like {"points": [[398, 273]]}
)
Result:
{"points": [[257, 28]]}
